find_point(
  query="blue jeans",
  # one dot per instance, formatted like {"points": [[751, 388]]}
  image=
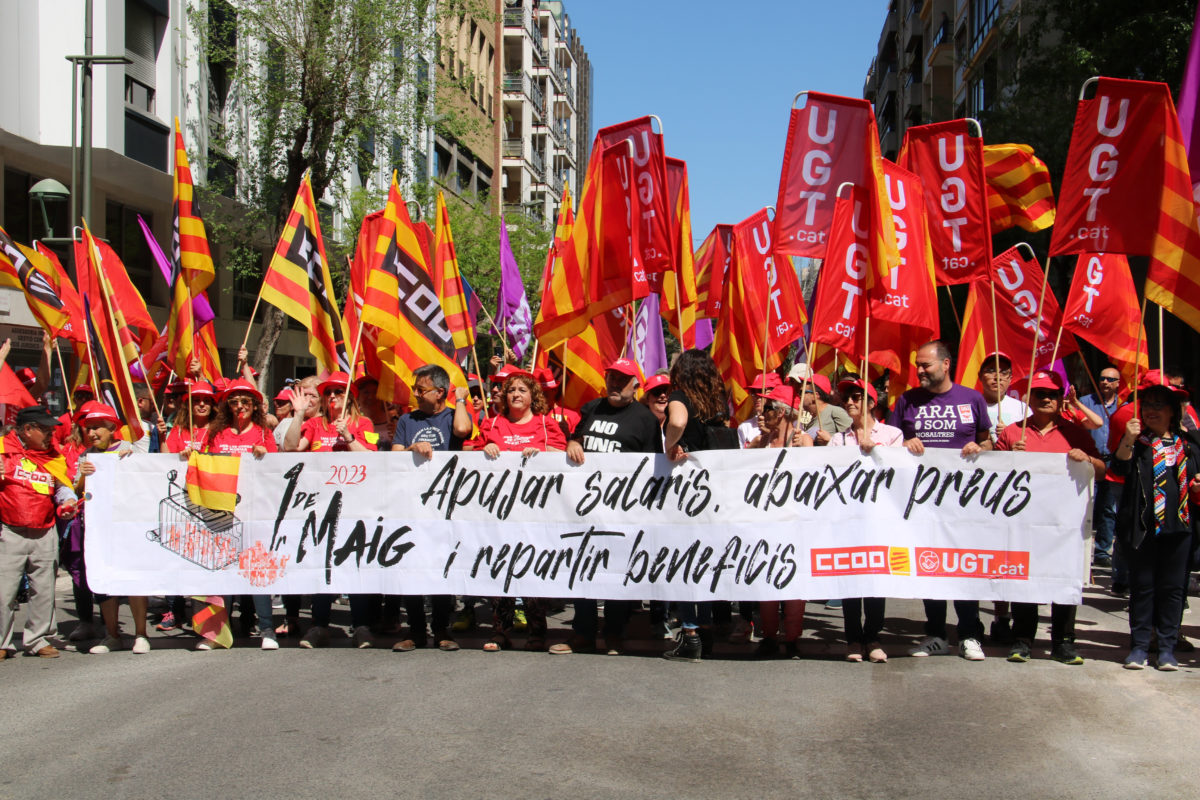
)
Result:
{"points": [[262, 610], [1104, 516], [695, 615]]}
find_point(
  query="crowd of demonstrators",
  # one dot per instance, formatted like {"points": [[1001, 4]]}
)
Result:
{"points": [[1144, 450]]}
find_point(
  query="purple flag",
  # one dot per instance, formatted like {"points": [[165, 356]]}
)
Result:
{"points": [[704, 333], [1189, 99], [201, 310], [646, 345], [512, 309]]}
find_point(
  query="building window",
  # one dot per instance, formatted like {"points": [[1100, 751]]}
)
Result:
{"points": [[983, 17], [144, 31], [245, 292], [127, 241], [982, 88], [139, 95]]}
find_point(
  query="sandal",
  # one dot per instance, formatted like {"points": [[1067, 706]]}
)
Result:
{"points": [[853, 655], [448, 645], [497, 643], [875, 653]]}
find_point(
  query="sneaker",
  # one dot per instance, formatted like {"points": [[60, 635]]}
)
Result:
{"points": [[317, 636], [613, 645], [931, 646], [167, 623], [1020, 652], [465, 620], [269, 642], [1000, 631], [110, 644], [833, 603], [83, 631], [141, 645], [971, 650], [1065, 653], [362, 637], [667, 633], [519, 621], [1102, 560], [743, 629], [1136, 659], [276, 602], [1167, 662], [204, 645], [687, 648]]}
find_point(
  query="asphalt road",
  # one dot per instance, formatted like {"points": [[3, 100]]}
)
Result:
{"points": [[355, 723]]}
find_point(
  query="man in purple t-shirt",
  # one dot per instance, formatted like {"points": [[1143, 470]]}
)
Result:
{"points": [[940, 413]]}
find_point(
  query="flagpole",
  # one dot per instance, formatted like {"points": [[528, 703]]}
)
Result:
{"points": [[1036, 334], [953, 308], [562, 391], [804, 383], [1137, 352], [996, 350], [866, 350], [250, 325], [62, 368], [628, 324], [479, 375], [1057, 339], [497, 329], [92, 362], [1162, 367], [353, 367]]}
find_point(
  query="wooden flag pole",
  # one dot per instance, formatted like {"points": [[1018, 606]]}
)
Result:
{"points": [[353, 367], [804, 383], [954, 308], [562, 391], [62, 369], [1036, 334], [496, 328], [191, 422], [628, 324]]}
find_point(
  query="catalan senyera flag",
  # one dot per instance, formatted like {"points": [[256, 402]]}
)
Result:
{"points": [[181, 328], [1018, 188], [110, 374], [418, 334], [677, 286], [297, 282], [712, 264], [48, 291], [102, 274], [190, 243], [448, 281], [586, 356], [562, 232], [211, 622], [212, 480]]}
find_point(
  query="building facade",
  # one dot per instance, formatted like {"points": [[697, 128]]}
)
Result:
{"points": [[936, 60]]}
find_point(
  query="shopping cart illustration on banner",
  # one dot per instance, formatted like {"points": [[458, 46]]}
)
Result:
{"points": [[207, 538]]}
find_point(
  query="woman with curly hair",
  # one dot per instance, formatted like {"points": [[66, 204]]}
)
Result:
{"points": [[190, 428], [697, 419], [522, 425]]}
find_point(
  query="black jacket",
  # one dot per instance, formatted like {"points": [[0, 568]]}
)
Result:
{"points": [[1135, 512]]}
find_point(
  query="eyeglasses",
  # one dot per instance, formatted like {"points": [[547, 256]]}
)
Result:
{"points": [[235, 402], [419, 392], [336, 390], [1106, 379], [1042, 394]]}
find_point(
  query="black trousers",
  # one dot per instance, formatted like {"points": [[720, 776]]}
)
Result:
{"points": [[858, 632], [442, 608], [1158, 575], [969, 626], [1025, 621]]}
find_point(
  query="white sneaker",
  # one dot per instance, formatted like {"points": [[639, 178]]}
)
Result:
{"points": [[363, 638], [141, 645], [110, 644], [269, 642], [932, 646], [204, 645], [971, 650], [743, 629]]}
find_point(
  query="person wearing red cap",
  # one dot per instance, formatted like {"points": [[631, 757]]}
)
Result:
{"points": [[1159, 462], [827, 417], [779, 417], [1045, 431], [338, 428], [374, 410], [862, 617], [82, 394], [306, 386], [567, 418], [522, 425], [615, 423], [758, 388], [654, 397], [33, 481], [941, 413], [189, 429]]}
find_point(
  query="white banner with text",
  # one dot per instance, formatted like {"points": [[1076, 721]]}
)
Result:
{"points": [[723, 525]]}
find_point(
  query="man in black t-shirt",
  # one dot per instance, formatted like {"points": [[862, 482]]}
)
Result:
{"points": [[614, 423]]}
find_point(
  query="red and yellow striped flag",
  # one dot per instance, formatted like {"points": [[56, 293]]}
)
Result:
{"points": [[448, 282], [1018, 188], [298, 283], [211, 622], [212, 480], [190, 251], [48, 291]]}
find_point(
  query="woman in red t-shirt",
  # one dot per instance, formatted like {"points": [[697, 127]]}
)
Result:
{"points": [[240, 426], [189, 429], [522, 425], [332, 430]]}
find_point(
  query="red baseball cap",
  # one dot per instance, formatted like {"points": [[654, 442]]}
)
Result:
{"points": [[200, 389], [99, 412], [178, 387], [821, 382], [1046, 379], [500, 375], [334, 380], [992, 355], [1155, 378], [856, 383], [241, 385], [83, 387], [771, 379], [656, 381], [625, 366], [784, 394], [284, 396]]}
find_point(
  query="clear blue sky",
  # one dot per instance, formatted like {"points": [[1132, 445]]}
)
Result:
{"points": [[722, 76]]}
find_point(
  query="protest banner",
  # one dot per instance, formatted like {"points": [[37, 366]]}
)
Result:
{"points": [[747, 525]]}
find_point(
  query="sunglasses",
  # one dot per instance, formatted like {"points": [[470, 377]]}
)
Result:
{"points": [[334, 391], [1155, 405], [235, 402], [1108, 380]]}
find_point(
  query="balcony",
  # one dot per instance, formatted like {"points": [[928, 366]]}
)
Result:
{"points": [[537, 97], [514, 82], [538, 164], [514, 18], [887, 37], [941, 49], [539, 48], [514, 148]]}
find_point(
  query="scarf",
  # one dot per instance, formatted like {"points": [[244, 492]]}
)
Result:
{"points": [[1168, 453]]}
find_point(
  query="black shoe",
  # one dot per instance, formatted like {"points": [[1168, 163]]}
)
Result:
{"points": [[1120, 590], [1020, 652], [1000, 631], [1103, 560], [767, 648], [1065, 653], [687, 648], [707, 641]]}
